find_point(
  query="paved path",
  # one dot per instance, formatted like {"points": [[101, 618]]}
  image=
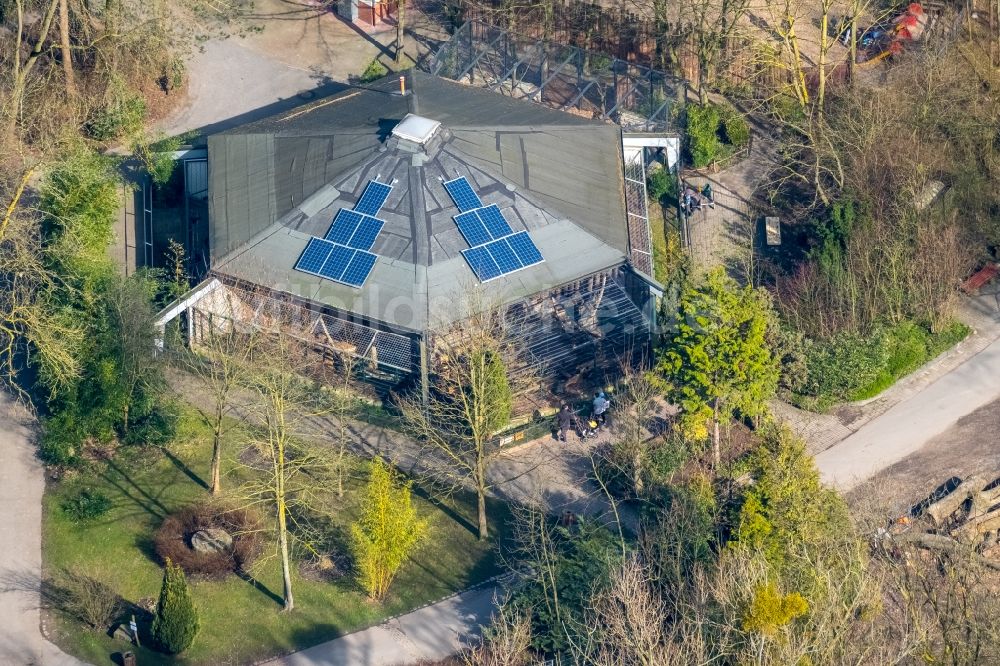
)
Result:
{"points": [[907, 426], [21, 487], [431, 633]]}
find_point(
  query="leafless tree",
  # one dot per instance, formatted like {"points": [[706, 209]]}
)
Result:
{"points": [[289, 473], [477, 374]]}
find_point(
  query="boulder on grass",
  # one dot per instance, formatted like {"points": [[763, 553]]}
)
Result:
{"points": [[212, 540]]}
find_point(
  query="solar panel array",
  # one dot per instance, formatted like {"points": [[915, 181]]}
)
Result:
{"points": [[354, 229], [342, 255], [494, 248], [340, 263]]}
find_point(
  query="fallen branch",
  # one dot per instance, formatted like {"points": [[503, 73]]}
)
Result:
{"points": [[944, 544], [987, 522]]}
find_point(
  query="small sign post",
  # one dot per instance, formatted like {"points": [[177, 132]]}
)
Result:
{"points": [[134, 628]]}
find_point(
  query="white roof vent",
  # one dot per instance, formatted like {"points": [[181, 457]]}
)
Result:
{"points": [[416, 128]]}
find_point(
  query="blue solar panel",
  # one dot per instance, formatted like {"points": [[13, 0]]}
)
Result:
{"points": [[482, 263], [371, 201], [494, 221], [525, 249], [504, 257], [335, 264], [472, 228], [366, 234], [314, 256], [344, 226], [461, 193], [359, 268]]}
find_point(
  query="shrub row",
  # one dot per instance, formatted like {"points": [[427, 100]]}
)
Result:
{"points": [[848, 367]]}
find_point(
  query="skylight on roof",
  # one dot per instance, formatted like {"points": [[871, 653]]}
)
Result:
{"points": [[416, 128]]}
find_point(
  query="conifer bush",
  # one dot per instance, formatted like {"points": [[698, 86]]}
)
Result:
{"points": [[176, 622]]}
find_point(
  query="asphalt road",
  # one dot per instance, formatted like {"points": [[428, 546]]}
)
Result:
{"points": [[433, 632], [908, 426], [21, 486]]}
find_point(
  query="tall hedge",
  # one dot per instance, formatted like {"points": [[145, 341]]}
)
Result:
{"points": [[176, 622]]}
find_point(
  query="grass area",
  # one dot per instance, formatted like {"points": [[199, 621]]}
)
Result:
{"points": [[909, 347], [240, 623]]}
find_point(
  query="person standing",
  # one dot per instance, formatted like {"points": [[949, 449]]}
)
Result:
{"points": [[601, 405], [706, 192], [565, 421]]}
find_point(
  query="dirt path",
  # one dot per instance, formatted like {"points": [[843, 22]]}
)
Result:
{"points": [[21, 487]]}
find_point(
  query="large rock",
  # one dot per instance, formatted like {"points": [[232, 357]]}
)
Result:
{"points": [[213, 540]]}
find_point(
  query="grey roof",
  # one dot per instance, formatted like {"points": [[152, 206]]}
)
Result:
{"points": [[280, 180]]}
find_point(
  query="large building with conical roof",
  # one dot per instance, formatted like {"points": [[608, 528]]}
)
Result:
{"points": [[368, 217]]}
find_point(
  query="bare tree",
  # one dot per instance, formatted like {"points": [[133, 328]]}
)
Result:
{"points": [[506, 641], [635, 408], [627, 621], [222, 362], [289, 472], [477, 374]]}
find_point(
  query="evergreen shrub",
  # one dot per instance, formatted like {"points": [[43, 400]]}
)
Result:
{"points": [[176, 623]]}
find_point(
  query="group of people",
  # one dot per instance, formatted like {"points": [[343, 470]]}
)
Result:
{"points": [[567, 419], [692, 199]]}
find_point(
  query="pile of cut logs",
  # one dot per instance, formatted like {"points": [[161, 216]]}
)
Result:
{"points": [[968, 516]]}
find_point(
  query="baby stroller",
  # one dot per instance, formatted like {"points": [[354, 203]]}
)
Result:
{"points": [[586, 427]]}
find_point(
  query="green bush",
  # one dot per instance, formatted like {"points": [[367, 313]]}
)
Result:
{"points": [[714, 132], [735, 129], [661, 186], [849, 367], [703, 134], [86, 505], [580, 561], [373, 72], [176, 622], [155, 429], [62, 436], [837, 368], [123, 114]]}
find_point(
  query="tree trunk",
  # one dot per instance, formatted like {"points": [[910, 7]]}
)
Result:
{"points": [[400, 28], [637, 471], [216, 462], [716, 445], [14, 201], [67, 54], [852, 56], [21, 72], [217, 443], [824, 41], [483, 527], [481, 500], [286, 574]]}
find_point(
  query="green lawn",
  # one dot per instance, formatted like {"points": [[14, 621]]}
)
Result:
{"points": [[240, 622]]}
